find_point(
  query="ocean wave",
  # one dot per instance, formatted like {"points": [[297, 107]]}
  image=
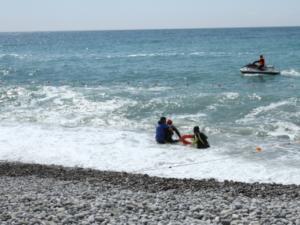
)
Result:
{"points": [[197, 53], [143, 55], [224, 98], [263, 109], [211, 53], [134, 55], [96, 56], [230, 95], [4, 72], [285, 129], [290, 72], [121, 150], [13, 56], [65, 106], [254, 96], [139, 90], [154, 54], [167, 54], [277, 119], [251, 75]]}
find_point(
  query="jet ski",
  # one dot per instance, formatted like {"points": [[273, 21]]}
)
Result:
{"points": [[253, 69]]}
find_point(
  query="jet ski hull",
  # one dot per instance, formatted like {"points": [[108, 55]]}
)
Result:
{"points": [[268, 70]]}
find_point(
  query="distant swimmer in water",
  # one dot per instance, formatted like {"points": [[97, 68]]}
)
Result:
{"points": [[260, 63], [171, 131], [162, 130], [200, 139]]}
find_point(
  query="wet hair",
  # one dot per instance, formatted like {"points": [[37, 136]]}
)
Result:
{"points": [[163, 119], [196, 129]]}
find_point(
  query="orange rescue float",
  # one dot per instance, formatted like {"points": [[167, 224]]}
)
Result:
{"points": [[187, 139]]}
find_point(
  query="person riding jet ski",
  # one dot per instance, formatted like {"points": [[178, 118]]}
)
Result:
{"points": [[261, 63], [259, 67]]}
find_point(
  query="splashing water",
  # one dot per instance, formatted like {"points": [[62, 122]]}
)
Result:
{"points": [[92, 99]]}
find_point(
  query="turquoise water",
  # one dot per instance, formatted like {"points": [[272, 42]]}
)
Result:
{"points": [[123, 81]]}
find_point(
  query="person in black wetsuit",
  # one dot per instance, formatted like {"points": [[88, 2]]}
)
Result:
{"points": [[171, 131], [200, 138]]}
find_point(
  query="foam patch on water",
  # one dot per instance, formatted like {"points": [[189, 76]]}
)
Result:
{"points": [[13, 56], [221, 99], [252, 75], [230, 95], [155, 54], [164, 54], [137, 90], [211, 53], [263, 109], [120, 150], [197, 53], [4, 72], [283, 129], [291, 73], [254, 96], [278, 119], [62, 105]]}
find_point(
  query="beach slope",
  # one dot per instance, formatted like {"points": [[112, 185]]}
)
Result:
{"points": [[40, 194]]}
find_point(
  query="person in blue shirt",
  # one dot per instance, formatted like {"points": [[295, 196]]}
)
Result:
{"points": [[162, 130]]}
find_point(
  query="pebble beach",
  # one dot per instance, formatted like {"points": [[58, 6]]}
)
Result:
{"points": [[40, 194]]}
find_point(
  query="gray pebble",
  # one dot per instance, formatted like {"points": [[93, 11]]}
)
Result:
{"points": [[56, 195]]}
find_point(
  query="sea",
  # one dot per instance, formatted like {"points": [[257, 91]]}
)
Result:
{"points": [[92, 99]]}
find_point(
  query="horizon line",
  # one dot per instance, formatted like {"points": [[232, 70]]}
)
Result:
{"points": [[147, 29]]}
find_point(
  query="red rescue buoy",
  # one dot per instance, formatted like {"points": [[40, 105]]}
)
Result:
{"points": [[185, 139]]}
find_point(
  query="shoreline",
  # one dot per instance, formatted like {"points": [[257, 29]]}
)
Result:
{"points": [[48, 195], [145, 182]]}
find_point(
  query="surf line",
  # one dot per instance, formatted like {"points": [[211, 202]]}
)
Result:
{"points": [[188, 164]]}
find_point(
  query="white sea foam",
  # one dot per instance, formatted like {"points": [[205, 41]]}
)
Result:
{"points": [[223, 98], [13, 55], [64, 125], [143, 55], [285, 129], [163, 54], [61, 105], [273, 120], [252, 75], [120, 150], [254, 96], [263, 109], [4, 72], [211, 53], [168, 54], [185, 121], [135, 90], [157, 54], [230, 95], [291, 73], [198, 53]]}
